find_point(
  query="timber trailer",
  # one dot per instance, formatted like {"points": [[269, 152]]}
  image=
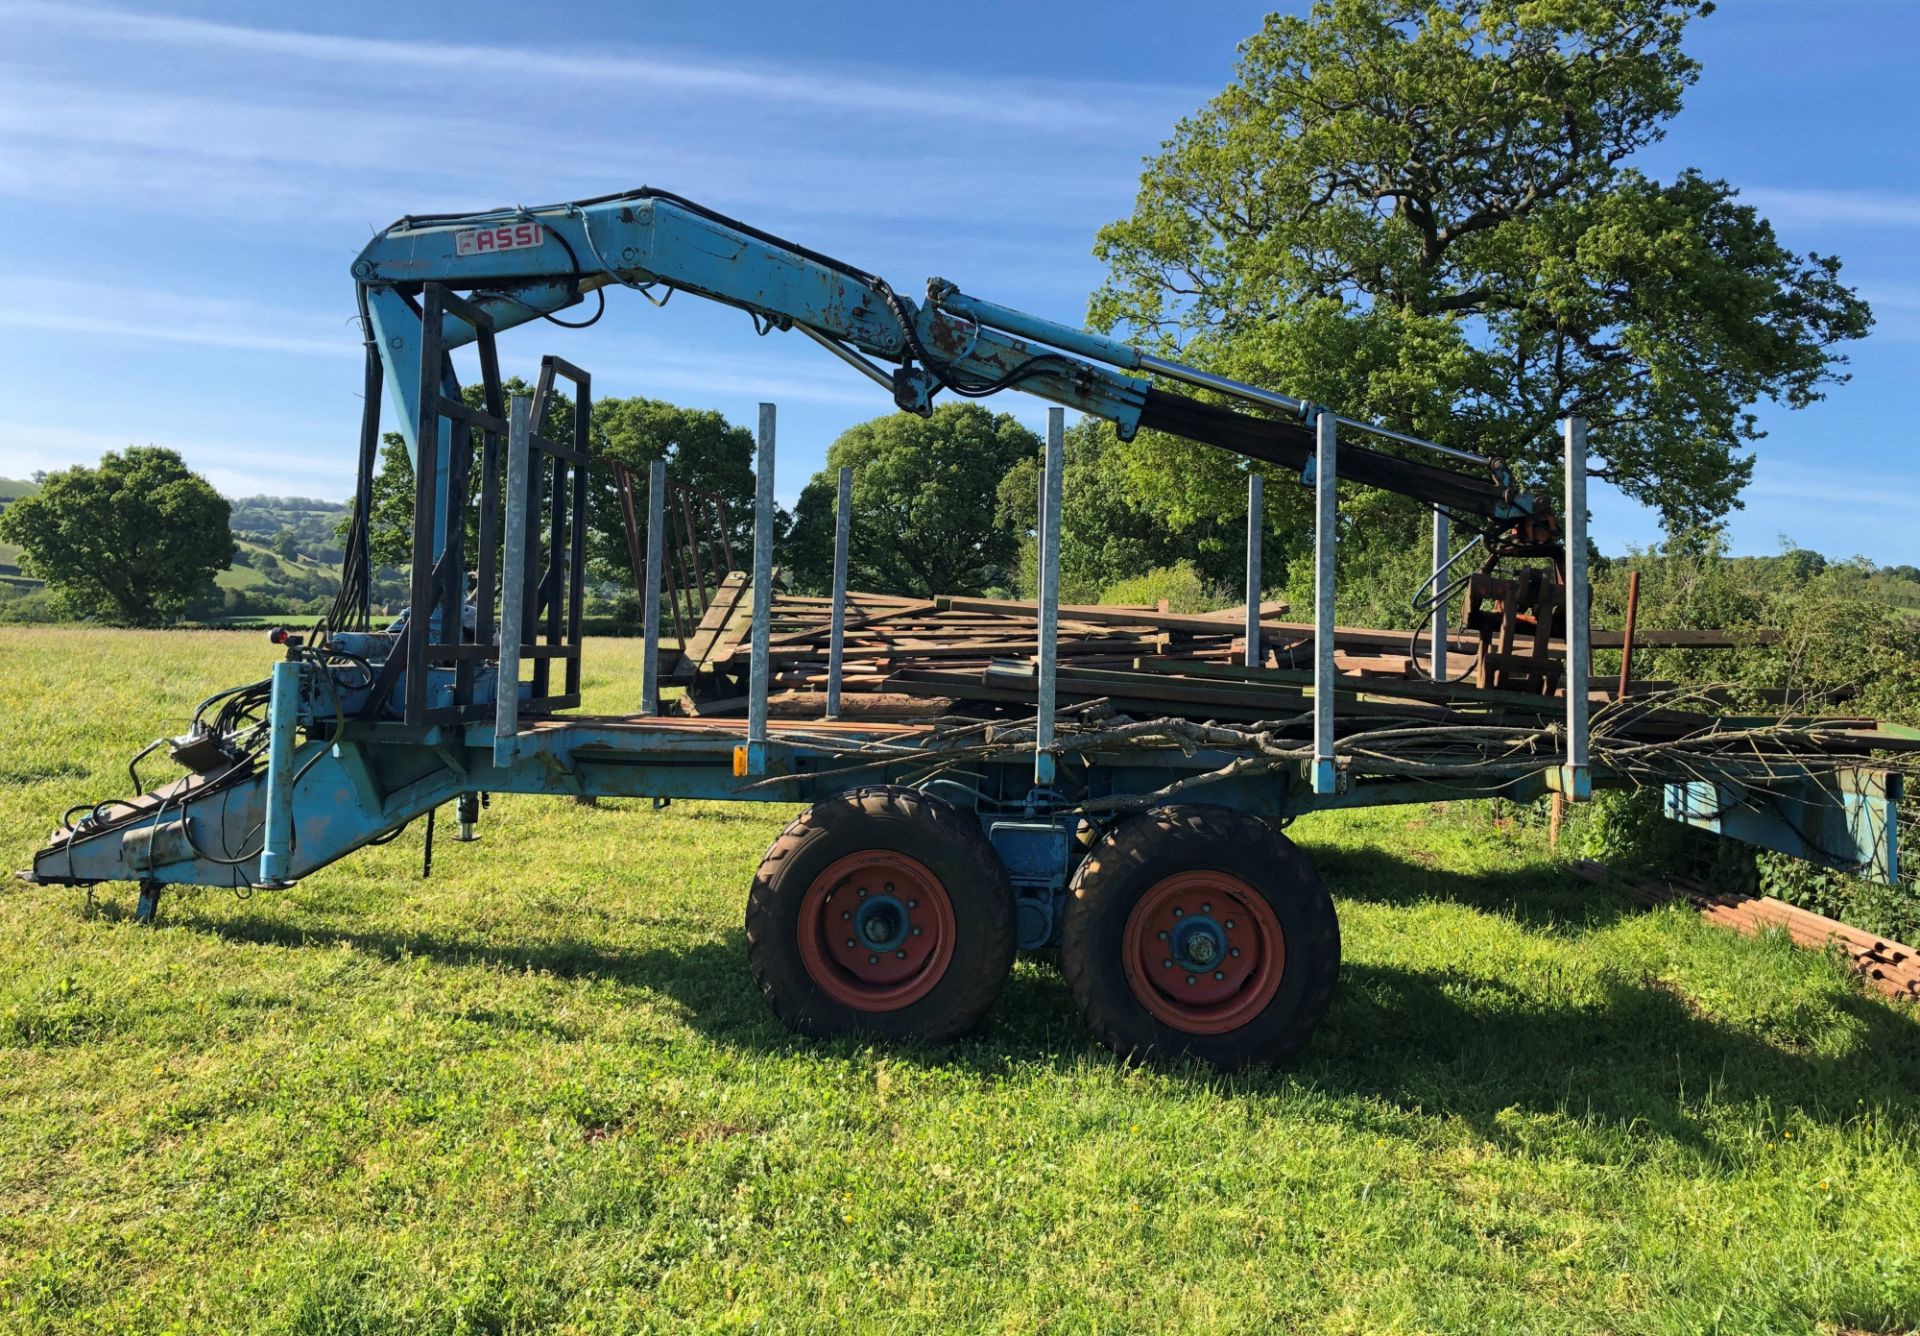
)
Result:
{"points": [[1152, 857]]}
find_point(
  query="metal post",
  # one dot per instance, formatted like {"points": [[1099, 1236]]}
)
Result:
{"points": [[283, 709], [762, 594], [513, 580], [1325, 515], [1440, 555], [837, 631], [650, 604], [1626, 633], [1049, 611], [1256, 531], [1577, 783]]}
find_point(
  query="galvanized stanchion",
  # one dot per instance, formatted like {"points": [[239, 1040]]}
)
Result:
{"points": [[1325, 512], [513, 582], [650, 604], [762, 595], [1577, 783], [1256, 530], [1440, 555], [1049, 600], [837, 631]]}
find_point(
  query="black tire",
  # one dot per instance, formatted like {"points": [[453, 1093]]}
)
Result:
{"points": [[1147, 853], [880, 823]]}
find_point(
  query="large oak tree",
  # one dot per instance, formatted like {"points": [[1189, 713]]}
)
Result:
{"points": [[1427, 212], [131, 540]]}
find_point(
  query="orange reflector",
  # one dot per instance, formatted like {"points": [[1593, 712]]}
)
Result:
{"points": [[739, 762]]}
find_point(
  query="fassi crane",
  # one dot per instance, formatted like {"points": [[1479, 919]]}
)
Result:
{"points": [[1186, 924], [518, 265]]}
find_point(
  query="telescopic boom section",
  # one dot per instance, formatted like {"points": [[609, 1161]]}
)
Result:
{"points": [[520, 264]]}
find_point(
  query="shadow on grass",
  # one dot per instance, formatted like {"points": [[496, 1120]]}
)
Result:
{"points": [[1449, 1041], [1534, 897]]}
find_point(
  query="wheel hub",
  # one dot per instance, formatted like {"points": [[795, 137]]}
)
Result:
{"points": [[876, 930], [882, 923], [1198, 942], [1203, 952]]}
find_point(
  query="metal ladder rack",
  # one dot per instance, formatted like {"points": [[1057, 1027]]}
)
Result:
{"points": [[530, 516]]}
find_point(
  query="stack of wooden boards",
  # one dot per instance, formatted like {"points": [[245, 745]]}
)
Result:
{"points": [[906, 656], [1882, 963], [893, 642]]}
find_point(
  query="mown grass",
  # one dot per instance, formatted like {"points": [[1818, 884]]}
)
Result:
{"points": [[539, 1090]]}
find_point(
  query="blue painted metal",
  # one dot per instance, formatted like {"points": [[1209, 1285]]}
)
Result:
{"points": [[283, 716], [1038, 857], [360, 776], [993, 315], [660, 244], [1850, 823]]}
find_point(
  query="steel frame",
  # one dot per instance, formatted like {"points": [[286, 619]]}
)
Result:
{"points": [[355, 780]]}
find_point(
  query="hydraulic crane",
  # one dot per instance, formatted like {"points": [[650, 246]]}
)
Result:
{"points": [[520, 265], [1184, 928]]}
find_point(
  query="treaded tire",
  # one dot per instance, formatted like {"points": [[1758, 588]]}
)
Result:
{"points": [[888, 821], [1151, 851]]}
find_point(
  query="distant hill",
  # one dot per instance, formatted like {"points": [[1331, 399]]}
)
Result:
{"points": [[310, 527], [12, 489]]}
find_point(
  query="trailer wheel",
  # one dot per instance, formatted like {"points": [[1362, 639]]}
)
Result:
{"points": [[1200, 932], [881, 911]]}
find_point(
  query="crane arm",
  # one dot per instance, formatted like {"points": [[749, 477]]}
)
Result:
{"points": [[519, 264]]}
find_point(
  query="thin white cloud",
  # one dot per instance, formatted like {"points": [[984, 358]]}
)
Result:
{"points": [[235, 468], [262, 158], [1834, 208], [1798, 483], [1061, 105], [151, 315]]}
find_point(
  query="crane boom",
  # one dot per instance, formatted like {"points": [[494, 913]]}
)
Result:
{"points": [[521, 264]]}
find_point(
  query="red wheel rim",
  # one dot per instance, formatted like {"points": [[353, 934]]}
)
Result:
{"points": [[1203, 952], [876, 931]]}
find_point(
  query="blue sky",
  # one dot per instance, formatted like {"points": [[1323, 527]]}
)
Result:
{"points": [[182, 188]]}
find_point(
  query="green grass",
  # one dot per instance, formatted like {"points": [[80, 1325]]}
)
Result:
{"points": [[539, 1090]]}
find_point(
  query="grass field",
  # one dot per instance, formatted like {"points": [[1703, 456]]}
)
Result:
{"points": [[539, 1090]]}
